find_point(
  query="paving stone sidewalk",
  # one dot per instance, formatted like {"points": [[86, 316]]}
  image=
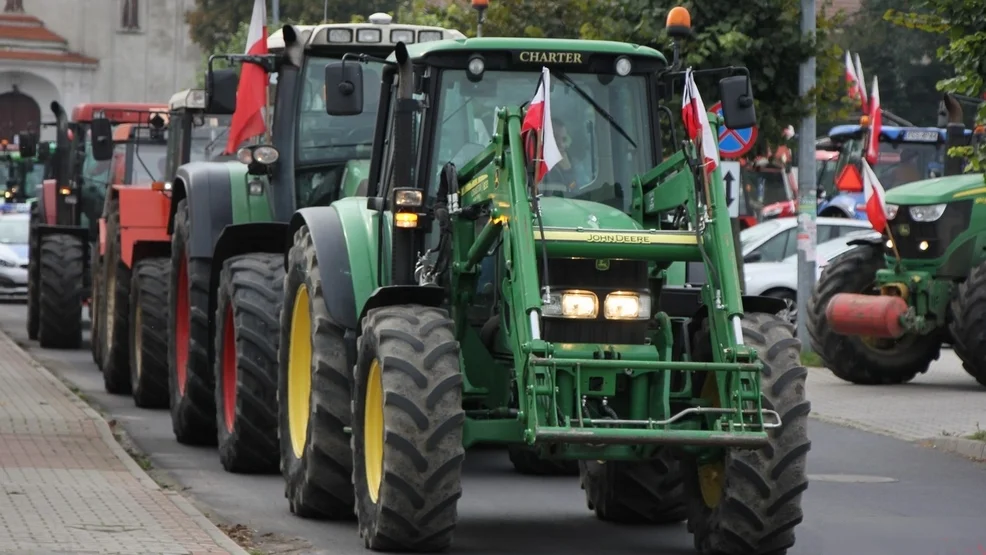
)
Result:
{"points": [[66, 485], [944, 402]]}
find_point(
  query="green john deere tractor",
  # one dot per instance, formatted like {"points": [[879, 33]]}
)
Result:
{"points": [[881, 312], [228, 222], [22, 167], [463, 302]]}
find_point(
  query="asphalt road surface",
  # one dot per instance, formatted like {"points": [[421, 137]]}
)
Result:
{"points": [[869, 494]]}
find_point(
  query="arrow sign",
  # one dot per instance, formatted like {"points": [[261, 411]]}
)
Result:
{"points": [[730, 176], [734, 143]]}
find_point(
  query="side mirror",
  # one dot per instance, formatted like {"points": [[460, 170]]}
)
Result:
{"points": [[344, 89], [102, 139], [27, 143], [44, 151], [220, 91], [736, 95], [752, 257]]}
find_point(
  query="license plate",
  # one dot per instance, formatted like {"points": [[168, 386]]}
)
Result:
{"points": [[921, 136]]}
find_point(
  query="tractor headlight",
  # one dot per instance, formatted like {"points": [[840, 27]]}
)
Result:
{"points": [[625, 305], [623, 66], [574, 303], [927, 213], [408, 198], [265, 155], [892, 211]]}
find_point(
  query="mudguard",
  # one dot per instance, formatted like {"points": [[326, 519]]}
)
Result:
{"points": [[241, 239], [207, 186], [345, 239]]}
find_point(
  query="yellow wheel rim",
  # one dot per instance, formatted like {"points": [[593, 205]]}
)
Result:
{"points": [[711, 476], [299, 371], [373, 431]]}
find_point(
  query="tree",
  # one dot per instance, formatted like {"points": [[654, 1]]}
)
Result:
{"points": [[727, 33], [903, 59], [963, 24]]}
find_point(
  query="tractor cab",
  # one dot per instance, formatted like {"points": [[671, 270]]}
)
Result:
{"points": [[22, 166], [196, 131]]}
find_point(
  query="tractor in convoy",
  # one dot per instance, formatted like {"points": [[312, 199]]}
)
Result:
{"points": [[881, 312], [459, 300], [64, 219], [228, 222], [130, 273], [22, 167]]}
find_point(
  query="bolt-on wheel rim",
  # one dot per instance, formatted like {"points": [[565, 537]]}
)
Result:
{"points": [[182, 323], [373, 431], [299, 372], [138, 339], [229, 371], [711, 475]]}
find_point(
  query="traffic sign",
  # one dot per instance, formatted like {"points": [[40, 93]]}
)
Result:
{"points": [[734, 143], [731, 177]]}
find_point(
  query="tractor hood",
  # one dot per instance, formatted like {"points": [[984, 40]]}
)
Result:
{"points": [[938, 190], [572, 213]]}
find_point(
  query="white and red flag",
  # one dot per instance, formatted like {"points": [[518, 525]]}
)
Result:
{"points": [[696, 120], [874, 195], [864, 100], [876, 125], [852, 80], [538, 120], [251, 93]]}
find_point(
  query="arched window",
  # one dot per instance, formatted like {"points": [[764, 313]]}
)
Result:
{"points": [[130, 20]]}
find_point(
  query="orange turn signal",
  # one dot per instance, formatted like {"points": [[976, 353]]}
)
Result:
{"points": [[406, 219], [157, 186]]}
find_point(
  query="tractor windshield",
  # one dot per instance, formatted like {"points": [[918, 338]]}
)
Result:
{"points": [[598, 161], [325, 138], [149, 163], [209, 139], [899, 162]]}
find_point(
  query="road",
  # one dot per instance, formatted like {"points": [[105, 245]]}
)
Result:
{"points": [[869, 494]]}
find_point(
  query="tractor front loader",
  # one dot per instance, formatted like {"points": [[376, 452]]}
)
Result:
{"points": [[62, 224], [465, 302], [229, 221], [880, 313]]}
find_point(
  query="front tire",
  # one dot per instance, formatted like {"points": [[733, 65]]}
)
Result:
{"points": [[859, 360], [33, 267], [646, 492], [313, 394], [190, 380], [247, 321], [60, 299], [115, 333], [407, 429], [968, 325], [148, 333], [750, 503]]}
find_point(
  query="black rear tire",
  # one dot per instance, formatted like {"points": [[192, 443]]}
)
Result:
{"points": [[191, 387], [148, 335], [648, 492], [850, 357], [527, 461], [61, 279], [968, 325], [759, 501], [115, 315], [407, 429], [318, 471], [247, 335], [95, 334], [33, 267]]}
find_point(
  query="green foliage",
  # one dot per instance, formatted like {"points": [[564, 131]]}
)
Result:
{"points": [[962, 24]]}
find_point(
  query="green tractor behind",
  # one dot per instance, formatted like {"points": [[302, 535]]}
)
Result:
{"points": [[881, 312], [22, 167], [460, 302]]}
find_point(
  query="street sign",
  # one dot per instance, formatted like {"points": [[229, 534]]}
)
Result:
{"points": [[731, 177], [734, 143]]}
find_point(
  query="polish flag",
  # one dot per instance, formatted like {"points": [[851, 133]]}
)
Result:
{"points": [[852, 79], [876, 124], [251, 93], [538, 119], [876, 208], [697, 125], [862, 84]]}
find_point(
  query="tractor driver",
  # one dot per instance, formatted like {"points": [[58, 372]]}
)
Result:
{"points": [[566, 173], [907, 170]]}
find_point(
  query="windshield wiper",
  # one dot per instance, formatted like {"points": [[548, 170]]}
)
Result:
{"points": [[599, 109], [208, 148]]}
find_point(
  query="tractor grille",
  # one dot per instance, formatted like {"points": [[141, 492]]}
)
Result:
{"points": [[939, 234], [579, 273]]}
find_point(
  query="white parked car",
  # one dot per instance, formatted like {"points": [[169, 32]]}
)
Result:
{"points": [[775, 240], [780, 279]]}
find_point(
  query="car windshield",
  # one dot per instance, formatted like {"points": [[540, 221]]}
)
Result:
{"points": [[14, 230], [598, 162], [899, 163], [753, 235], [325, 138], [209, 139]]}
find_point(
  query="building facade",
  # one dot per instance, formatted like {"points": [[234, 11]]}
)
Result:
{"points": [[77, 51]]}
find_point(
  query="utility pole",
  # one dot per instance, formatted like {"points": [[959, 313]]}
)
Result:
{"points": [[807, 186], [275, 13]]}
